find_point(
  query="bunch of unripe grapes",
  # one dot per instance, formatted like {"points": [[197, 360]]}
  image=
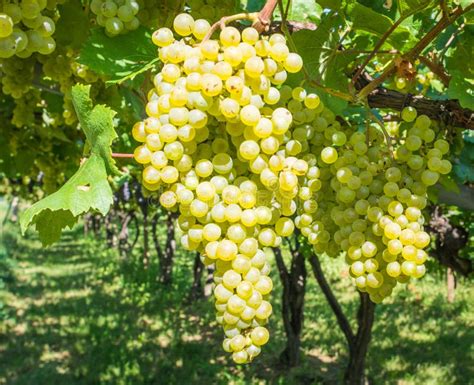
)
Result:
{"points": [[16, 76], [116, 16], [25, 28], [211, 9], [25, 108], [16, 79], [213, 148], [421, 83]]}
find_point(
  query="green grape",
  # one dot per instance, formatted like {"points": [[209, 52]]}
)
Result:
{"points": [[30, 9], [6, 25], [183, 24], [329, 155], [401, 83], [108, 8], [114, 26], [125, 13], [409, 114], [46, 26]]}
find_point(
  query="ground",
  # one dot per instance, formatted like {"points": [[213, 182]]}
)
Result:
{"points": [[76, 313]]}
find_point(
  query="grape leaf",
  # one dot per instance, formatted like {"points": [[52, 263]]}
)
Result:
{"points": [[412, 6], [330, 4], [253, 5], [449, 184], [460, 65], [96, 122], [388, 7], [119, 58], [72, 28], [464, 3], [323, 59], [88, 189], [461, 88], [304, 10], [464, 166], [378, 25]]}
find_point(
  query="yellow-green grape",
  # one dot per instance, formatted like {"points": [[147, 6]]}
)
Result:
{"points": [[6, 25], [409, 114], [25, 30], [116, 16]]}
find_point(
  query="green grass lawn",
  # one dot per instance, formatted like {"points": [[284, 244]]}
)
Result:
{"points": [[77, 314]]}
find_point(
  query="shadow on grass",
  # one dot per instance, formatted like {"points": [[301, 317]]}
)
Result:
{"points": [[428, 342], [80, 316]]}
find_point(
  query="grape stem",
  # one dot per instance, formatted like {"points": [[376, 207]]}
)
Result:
{"points": [[220, 24], [121, 155], [265, 15], [381, 124]]}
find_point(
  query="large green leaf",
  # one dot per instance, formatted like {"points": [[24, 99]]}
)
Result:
{"points": [[119, 58], [323, 59], [88, 189], [461, 67], [366, 19], [304, 10], [73, 26], [412, 6], [388, 7], [464, 166], [330, 4], [252, 5], [96, 122], [462, 88], [463, 3]]}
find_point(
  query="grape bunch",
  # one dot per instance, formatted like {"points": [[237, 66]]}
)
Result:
{"points": [[246, 159], [116, 16], [370, 197], [213, 145], [26, 27], [25, 107], [211, 9], [16, 76]]}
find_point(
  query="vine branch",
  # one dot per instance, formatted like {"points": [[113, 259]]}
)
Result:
{"points": [[388, 138], [265, 15], [416, 50], [332, 300], [448, 111], [379, 44]]}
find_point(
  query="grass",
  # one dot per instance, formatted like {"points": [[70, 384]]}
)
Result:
{"points": [[76, 314]]}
